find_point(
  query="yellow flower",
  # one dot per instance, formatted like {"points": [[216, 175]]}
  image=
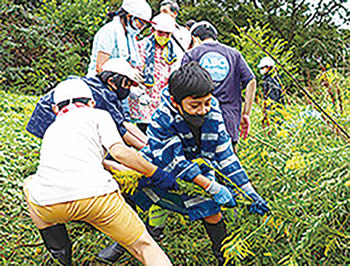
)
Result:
{"points": [[297, 162], [347, 183], [282, 133], [264, 154], [285, 114]]}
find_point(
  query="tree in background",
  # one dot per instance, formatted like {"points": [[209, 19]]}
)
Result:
{"points": [[43, 42], [307, 25]]}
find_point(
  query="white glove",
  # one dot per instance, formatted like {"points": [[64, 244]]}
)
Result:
{"points": [[136, 92]]}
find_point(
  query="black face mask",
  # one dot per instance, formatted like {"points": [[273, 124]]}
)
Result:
{"points": [[193, 120], [117, 80]]}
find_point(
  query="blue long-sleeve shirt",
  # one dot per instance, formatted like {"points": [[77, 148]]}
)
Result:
{"points": [[172, 145]]}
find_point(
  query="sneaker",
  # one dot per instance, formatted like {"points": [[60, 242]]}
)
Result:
{"points": [[111, 253]]}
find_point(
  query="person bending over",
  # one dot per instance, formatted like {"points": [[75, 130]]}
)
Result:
{"points": [[72, 184]]}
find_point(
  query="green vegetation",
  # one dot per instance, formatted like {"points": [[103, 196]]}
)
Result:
{"points": [[300, 166], [296, 158]]}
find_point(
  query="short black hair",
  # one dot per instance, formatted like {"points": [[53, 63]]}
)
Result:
{"points": [[190, 80], [75, 100], [204, 30]]}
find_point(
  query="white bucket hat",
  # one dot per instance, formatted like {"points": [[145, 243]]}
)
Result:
{"points": [[138, 8], [164, 22], [71, 89]]}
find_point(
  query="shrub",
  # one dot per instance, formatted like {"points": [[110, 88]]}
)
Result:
{"points": [[47, 43]]}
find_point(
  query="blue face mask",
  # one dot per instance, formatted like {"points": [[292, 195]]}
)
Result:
{"points": [[131, 28]]}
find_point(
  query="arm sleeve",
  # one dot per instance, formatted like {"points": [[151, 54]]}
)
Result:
{"points": [[104, 40], [42, 116], [246, 74], [186, 58], [266, 89], [108, 131], [228, 162], [166, 151], [110, 103]]}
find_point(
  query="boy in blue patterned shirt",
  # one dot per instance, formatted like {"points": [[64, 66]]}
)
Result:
{"points": [[188, 125]]}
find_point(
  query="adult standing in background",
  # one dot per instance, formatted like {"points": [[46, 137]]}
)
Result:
{"points": [[230, 74], [117, 39], [181, 36]]}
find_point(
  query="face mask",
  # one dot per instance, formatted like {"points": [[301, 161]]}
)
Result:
{"points": [[121, 92], [116, 80], [132, 29], [193, 120], [161, 40]]}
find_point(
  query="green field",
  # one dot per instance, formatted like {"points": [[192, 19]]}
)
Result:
{"points": [[301, 166]]}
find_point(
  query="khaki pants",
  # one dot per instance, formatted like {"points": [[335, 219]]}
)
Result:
{"points": [[108, 213]]}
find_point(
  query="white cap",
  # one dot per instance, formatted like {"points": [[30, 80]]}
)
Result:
{"points": [[138, 8], [164, 22], [120, 66], [71, 89], [266, 62]]}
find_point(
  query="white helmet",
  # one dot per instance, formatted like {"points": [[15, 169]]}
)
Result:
{"points": [[71, 89], [121, 66], [266, 62], [138, 8], [164, 22]]}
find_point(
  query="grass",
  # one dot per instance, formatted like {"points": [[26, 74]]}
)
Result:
{"points": [[300, 166]]}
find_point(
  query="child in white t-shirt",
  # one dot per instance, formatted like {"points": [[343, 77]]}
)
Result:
{"points": [[72, 184]]}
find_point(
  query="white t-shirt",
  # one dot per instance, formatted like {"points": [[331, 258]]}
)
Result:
{"points": [[71, 158], [183, 36]]}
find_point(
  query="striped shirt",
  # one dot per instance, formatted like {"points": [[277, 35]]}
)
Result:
{"points": [[172, 145]]}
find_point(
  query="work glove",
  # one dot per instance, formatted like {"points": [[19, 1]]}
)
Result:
{"points": [[221, 194], [160, 179], [259, 205]]}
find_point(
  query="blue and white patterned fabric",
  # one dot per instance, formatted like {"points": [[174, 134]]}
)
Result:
{"points": [[172, 146], [43, 115], [167, 53]]}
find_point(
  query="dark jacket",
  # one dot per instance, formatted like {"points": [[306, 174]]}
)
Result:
{"points": [[272, 89], [105, 99]]}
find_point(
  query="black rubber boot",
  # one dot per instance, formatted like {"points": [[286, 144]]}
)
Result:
{"points": [[57, 242], [111, 253], [115, 251], [217, 233], [157, 232]]}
